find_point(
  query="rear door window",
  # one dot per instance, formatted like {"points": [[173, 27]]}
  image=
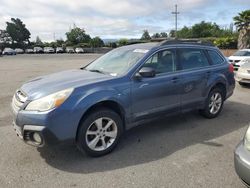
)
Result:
{"points": [[215, 57], [190, 58]]}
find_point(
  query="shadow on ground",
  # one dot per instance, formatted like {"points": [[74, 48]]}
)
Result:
{"points": [[153, 141]]}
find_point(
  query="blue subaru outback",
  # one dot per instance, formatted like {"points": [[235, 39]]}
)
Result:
{"points": [[94, 105]]}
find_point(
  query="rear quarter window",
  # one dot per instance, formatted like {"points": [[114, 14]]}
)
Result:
{"points": [[216, 59]]}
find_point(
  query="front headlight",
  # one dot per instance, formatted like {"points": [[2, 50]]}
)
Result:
{"points": [[247, 60], [49, 102], [247, 139]]}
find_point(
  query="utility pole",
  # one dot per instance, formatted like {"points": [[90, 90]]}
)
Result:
{"points": [[176, 13]]}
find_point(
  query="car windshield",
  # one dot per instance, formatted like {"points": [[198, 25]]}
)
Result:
{"points": [[242, 53], [117, 62]]}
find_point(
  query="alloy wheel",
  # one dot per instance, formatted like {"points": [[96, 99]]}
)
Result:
{"points": [[101, 134]]}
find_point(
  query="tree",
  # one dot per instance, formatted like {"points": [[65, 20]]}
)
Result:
{"points": [[59, 42], [205, 29], [17, 31], [185, 32], [38, 41], [163, 35], [242, 22], [122, 42], [156, 35], [96, 42], [77, 35], [172, 33], [145, 35], [4, 37]]}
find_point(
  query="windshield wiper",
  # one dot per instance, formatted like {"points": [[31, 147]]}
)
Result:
{"points": [[96, 70]]}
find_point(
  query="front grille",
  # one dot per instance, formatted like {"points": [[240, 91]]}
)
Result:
{"points": [[234, 61], [18, 100]]}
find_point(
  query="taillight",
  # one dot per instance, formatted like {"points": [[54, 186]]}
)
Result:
{"points": [[231, 68]]}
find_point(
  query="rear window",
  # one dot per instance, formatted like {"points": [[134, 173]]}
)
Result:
{"points": [[192, 58], [215, 57]]}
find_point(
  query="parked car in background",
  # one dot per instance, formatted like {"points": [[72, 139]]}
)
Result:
{"points": [[243, 74], [242, 159], [29, 51], [59, 50], [127, 86], [70, 50], [79, 50], [49, 50], [38, 50], [9, 51], [239, 58], [19, 51], [0, 52]]}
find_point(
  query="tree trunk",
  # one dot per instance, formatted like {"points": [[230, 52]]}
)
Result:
{"points": [[244, 39]]}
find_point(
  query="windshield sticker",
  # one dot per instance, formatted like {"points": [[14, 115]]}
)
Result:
{"points": [[113, 74], [141, 51]]}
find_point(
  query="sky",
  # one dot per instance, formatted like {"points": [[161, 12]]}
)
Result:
{"points": [[114, 19]]}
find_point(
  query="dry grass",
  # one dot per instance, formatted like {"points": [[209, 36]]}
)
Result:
{"points": [[228, 52]]}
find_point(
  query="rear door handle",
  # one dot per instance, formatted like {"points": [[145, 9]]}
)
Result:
{"points": [[175, 79], [208, 73]]}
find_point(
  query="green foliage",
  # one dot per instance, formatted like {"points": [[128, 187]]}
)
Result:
{"points": [[205, 29], [172, 34], [17, 31], [122, 42], [77, 35], [226, 42], [60, 42], [96, 42], [145, 35], [112, 45]]}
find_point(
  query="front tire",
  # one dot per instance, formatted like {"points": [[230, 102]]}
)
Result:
{"points": [[214, 104], [99, 132]]}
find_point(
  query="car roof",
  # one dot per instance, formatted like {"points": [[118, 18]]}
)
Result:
{"points": [[171, 43]]}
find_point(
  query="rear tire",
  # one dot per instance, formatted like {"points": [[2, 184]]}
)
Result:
{"points": [[99, 132], [214, 104]]}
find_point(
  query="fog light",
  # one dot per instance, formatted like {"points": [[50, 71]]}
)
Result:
{"points": [[37, 138]]}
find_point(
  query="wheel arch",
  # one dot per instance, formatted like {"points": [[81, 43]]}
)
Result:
{"points": [[220, 85], [109, 104]]}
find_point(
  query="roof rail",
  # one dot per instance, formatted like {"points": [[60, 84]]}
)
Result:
{"points": [[185, 41]]}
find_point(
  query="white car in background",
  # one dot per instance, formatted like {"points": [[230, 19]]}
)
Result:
{"points": [[243, 74], [70, 50], [29, 51], [59, 50], [9, 51], [38, 50], [49, 50], [19, 51], [239, 58], [79, 50]]}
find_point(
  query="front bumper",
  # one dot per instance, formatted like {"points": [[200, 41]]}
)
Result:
{"points": [[242, 163], [26, 133]]}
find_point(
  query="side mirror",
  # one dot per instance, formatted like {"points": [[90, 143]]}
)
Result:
{"points": [[147, 72]]}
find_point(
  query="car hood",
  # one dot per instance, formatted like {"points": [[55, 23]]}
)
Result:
{"points": [[238, 57], [45, 85]]}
